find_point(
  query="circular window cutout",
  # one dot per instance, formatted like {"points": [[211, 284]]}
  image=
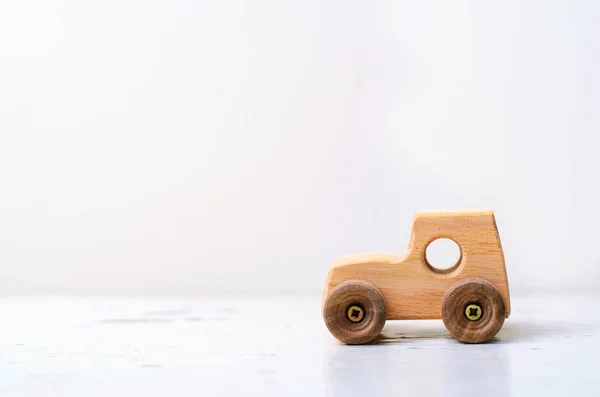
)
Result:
{"points": [[442, 255]]}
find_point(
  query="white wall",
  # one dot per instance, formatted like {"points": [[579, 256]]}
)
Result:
{"points": [[187, 147]]}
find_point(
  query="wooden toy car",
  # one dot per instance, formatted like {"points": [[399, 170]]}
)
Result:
{"points": [[363, 291]]}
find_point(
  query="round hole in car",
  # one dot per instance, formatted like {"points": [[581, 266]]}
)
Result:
{"points": [[442, 255]]}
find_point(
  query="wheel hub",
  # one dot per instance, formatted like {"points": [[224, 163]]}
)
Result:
{"points": [[473, 312], [355, 313]]}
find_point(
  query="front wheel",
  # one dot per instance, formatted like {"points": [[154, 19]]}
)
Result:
{"points": [[473, 311], [354, 312]]}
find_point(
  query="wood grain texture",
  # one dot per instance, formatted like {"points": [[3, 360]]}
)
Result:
{"points": [[355, 293], [486, 297], [412, 289]]}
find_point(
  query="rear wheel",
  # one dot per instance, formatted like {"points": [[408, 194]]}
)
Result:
{"points": [[354, 312], [473, 311]]}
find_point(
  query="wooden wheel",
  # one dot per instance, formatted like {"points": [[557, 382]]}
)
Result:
{"points": [[473, 311], [354, 312]]}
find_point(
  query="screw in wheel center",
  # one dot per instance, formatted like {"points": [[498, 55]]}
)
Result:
{"points": [[355, 313], [473, 312]]}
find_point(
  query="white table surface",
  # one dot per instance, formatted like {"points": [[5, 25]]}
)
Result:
{"points": [[279, 346]]}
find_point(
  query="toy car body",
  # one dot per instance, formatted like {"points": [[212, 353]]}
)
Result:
{"points": [[413, 289]]}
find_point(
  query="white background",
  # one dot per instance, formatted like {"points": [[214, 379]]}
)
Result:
{"points": [[191, 147]]}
